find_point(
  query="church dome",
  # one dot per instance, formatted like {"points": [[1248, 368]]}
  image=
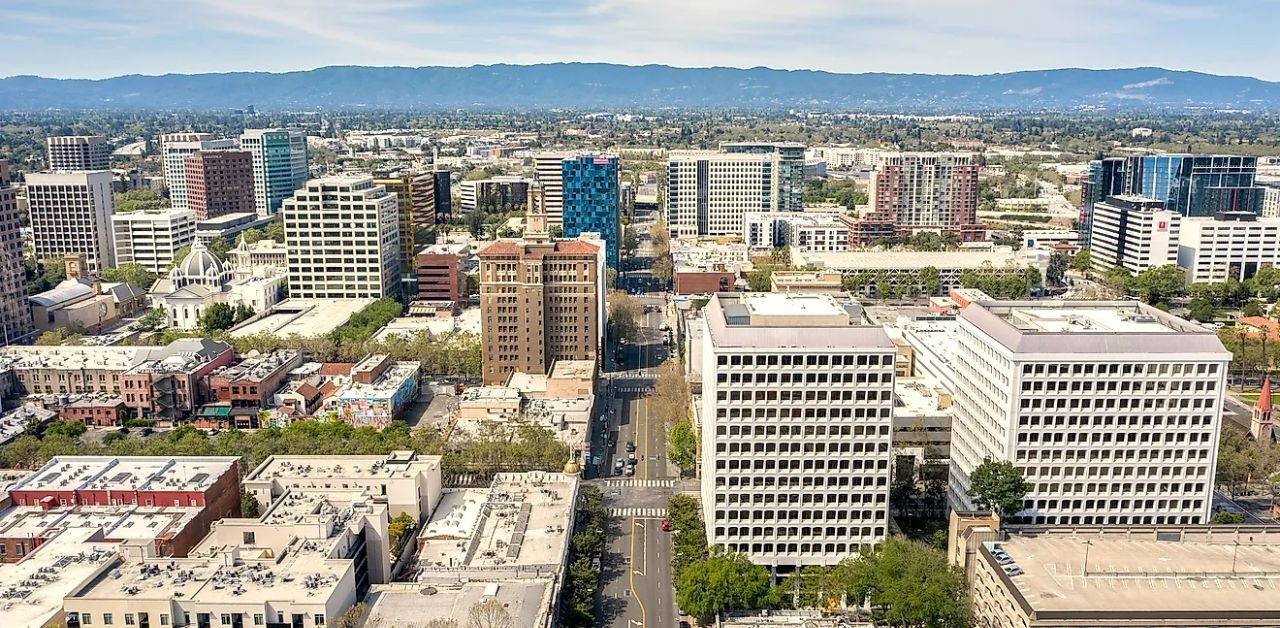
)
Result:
{"points": [[200, 263]]}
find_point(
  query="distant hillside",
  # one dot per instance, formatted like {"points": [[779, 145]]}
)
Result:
{"points": [[598, 85]]}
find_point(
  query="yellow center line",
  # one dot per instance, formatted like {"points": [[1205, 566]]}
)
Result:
{"points": [[631, 578]]}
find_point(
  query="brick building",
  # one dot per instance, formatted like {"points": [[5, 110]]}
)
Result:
{"points": [[247, 387], [440, 276], [219, 183]]}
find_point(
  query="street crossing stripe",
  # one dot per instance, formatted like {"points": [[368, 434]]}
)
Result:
{"points": [[641, 483], [638, 512]]}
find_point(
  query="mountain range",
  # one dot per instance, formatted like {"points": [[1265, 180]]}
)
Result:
{"points": [[588, 86]]}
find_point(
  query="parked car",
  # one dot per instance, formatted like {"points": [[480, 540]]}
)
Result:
{"points": [[631, 469], [666, 525], [618, 466], [631, 447]]}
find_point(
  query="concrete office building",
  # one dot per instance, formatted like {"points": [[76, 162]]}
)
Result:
{"points": [[279, 165], [549, 173], [788, 187], [1230, 246], [709, 192], [357, 258], [495, 195], [1111, 410], [1132, 577], [590, 202], [541, 300], [152, 237], [78, 152], [175, 148], [218, 183], [15, 319], [1270, 198], [922, 192], [440, 273], [405, 481], [1105, 177], [1133, 232], [415, 204], [797, 409], [71, 215]]}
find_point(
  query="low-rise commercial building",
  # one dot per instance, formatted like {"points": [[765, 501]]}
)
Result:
{"points": [[1227, 247], [170, 385], [911, 272], [86, 303], [378, 393], [805, 281], [248, 386], [405, 481]]}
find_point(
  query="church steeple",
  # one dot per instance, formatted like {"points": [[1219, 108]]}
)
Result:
{"points": [[1260, 423]]}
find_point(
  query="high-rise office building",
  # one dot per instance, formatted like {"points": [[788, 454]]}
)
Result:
{"points": [[549, 170], [174, 150], [789, 169], [78, 152], [15, 318], [797, 414], [708, 192], [444, 194], [922, 191], [1106, 177], [1111, 410], [218, 183], [541, 300], [1133, 232], [1200, 185], [590, 201], [279, 165], [416, 198], [343, 235], [152, 238], [71, 215]]}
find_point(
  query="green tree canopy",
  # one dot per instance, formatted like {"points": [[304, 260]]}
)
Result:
{"points": [[999, 486], [217, 317], [132, 273], [1159, 284], [624, 316], [909, 584], [1201, 309], [1083, 261], [682, 446], [723, 582]]}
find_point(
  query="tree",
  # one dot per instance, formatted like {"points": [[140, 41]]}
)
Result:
{"points": [[43, 275], [1224, 518], [662, 269], [1031, 276], [1118, 279], [251, 235], [682, 446], [925, 241], [489, 614], [624, 316], [723, 582], [630, 241], [138, 200], [65, 335], [688, 535], [1201, 309], [248, 504], [401, 524], [350, 619], [1055, 274], [671, 393], [241, 313], [219, 247], [760, 280], [132, 273], [275, 231], [154, 319], [70, 429], [217, 317], [1083, 261], [998, 486], [1159, 284], [907, 584], [1253, 308]]}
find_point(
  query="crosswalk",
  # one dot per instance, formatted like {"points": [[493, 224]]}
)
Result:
{"points": [[653, 513], [630, 390], [640, 483]]}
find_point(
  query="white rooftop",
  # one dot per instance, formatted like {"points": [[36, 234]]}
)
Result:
{"points": [[397, 464], [304, 317], [32, 591], [782, 304], [141, 473]]}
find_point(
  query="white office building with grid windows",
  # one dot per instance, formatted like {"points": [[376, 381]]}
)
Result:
{"points": [[1111, 410], [796, 418], [343, 235], [709, 192]]}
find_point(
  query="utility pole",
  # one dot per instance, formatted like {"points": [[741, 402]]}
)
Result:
{"points": [[1085, 570]]}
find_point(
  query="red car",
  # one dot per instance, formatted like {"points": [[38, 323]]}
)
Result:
{"points": [[666, 525]]}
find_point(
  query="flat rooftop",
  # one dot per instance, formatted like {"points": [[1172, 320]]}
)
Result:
{"points": [[522, 519], [118, 523], [467, 321], [109, 358], [1136, 575], [1089, 327], [385, 386], [894, 260], [136, 473], [779, 320], [527, 601], [397, 464], [304, 317], [32, 590]]}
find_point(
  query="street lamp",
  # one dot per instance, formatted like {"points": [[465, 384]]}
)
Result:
{"points": [[1085, 570]]}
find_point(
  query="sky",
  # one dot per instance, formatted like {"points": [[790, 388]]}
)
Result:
{"points": [[97, 39]]}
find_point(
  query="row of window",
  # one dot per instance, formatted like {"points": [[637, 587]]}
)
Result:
{"points": [[839, 359], [797, 430], [807, 465], [771, 481]]}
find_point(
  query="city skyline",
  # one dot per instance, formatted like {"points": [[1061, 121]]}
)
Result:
{"points": [[77, 39]]}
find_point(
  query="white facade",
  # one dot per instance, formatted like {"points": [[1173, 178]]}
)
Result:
{"points": [[152, 238], [1214, 251], [202, 280], [1270, 198], [550, 173], [797, 410], [71, 215], [809, 231], [1111, 410], [343, 235], [78, 152], [709, 192], [1135, 233], [174, 149]]}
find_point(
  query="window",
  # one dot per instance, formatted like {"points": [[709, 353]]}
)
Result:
{"points": [[128, 619], [107, 619], [86, 619], [257, 619], [226, 619], [249, 538], [319, 619], [164, 619]]}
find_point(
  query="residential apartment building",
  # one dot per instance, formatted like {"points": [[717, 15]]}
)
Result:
{"points": [[175, 148], [788, 186], [440, 273], [541, 300], [797, 410], [709, 192], [1110, 410], [169, 385], [1200, 185], [343, 235], [219, 183], [1127, 576], [808, 231], [549, 173], [71, 215], [15, 319], [1229, 246], [78, 152], [1270, 198], [152, 237], [1133, 232], [416, 206], [923, 191], [590, 202], [279, 165]]}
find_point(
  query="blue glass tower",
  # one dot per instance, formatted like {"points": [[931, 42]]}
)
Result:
{"points": [[591, 201], [1202, 185]]}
